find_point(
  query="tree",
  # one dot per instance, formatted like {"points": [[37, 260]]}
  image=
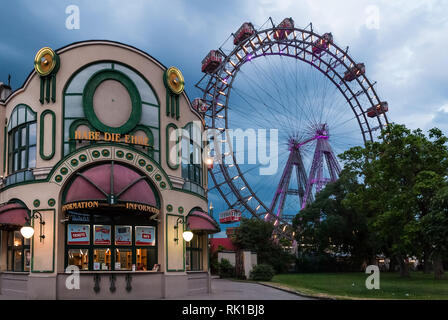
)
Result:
{"points": [[400, 174], [337, 222], [256, 235], [435, 227]]}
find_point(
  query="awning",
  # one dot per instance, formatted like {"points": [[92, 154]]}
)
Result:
{"points": [[13, 214], [111, 183], [200, 221]]}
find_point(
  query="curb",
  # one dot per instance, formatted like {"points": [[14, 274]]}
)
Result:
{"points": [[295, 292], [282, 289]]}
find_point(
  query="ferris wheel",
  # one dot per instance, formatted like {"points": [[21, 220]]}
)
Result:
{"points": [[301, 84]]}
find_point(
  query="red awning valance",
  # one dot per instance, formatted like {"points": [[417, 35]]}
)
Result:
{"points": [[106, 180], [13, 214], [200, 221]]}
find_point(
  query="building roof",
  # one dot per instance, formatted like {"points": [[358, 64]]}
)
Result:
{"points": [[225, 242]]}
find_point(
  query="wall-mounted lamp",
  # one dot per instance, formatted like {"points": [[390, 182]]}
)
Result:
{"points": [[27, 231], [187, 234], [209, 162]]}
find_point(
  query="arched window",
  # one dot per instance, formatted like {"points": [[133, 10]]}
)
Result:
{"points": [[75, 118], [21, 144], [192, 158]]}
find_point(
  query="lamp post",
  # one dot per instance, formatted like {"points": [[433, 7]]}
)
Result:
{"points": [[187, 234], [27, 231]]}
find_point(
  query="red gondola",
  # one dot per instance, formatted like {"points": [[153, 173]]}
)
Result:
{"points": [[199, 105], [354, 72], [211, 61], [230, 216], [286, 26], [378, 109], [322, 44], [244, 32]]}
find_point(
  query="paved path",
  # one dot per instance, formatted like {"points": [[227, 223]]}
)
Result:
{"points": [[234, 290]]}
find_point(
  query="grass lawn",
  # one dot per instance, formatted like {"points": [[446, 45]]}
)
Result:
{"points": [[352, 285]]}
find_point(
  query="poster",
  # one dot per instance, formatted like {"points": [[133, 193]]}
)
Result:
{"points": [[102, 235], [123, 235], [78, 234], [145, 236]]}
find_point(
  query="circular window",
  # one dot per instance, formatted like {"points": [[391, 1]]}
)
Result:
{"points": [[111, 102]]}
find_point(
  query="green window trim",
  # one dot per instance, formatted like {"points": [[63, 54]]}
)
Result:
{"points": [[192, 172], [167, 146], [15, 114], [89, 91], [42, 135], [166, 241], [34, 222], [12, 248], [65, 149], [18, 148], [195, 248]]}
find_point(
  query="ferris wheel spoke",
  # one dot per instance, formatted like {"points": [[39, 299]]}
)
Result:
{"points": [[256, 111], [254, 86], [318, 116]]}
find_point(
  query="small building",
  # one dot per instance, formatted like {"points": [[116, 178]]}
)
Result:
{"points": [[92, 161]]}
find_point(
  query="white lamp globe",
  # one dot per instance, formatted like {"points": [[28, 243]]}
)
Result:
{"points": [[187, 235], [27, 232]]}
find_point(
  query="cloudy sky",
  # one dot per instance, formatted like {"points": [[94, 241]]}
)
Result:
{"points": [[402, 42]]}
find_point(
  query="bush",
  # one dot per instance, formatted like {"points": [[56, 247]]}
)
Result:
{"points": [[226, 270], [262, 272], [214, 265]]}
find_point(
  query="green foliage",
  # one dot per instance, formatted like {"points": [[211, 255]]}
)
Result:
{"points": [[313, 263], [256, 235], [226, 270], [389, 199], [262, 272], [329, 225]]}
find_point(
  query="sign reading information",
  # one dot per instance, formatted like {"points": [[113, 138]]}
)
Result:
{"points": [[96, 204]]}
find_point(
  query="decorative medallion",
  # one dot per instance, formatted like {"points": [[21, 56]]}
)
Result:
{"points": [[51, 202], [129, 156], [174, 82], [36, 203], [169, 208], [46, 64]]}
